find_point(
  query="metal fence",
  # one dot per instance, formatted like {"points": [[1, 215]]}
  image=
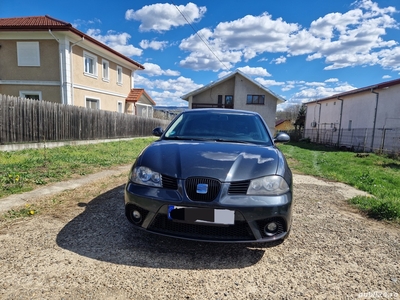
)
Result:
{"points": [[384, 140], [30, 121]]}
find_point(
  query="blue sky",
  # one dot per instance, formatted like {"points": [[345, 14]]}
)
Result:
{"points": [[300, 50]]}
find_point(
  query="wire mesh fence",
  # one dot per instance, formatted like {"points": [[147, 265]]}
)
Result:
{"points": [[383, 140]]}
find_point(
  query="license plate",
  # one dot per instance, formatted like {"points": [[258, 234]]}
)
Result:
{"points": [[201, 215]]}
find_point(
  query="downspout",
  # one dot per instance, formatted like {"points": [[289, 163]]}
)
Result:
{"points": [[376, 112], [61, 68], [340, 122], [71, 68], [319, 120]]}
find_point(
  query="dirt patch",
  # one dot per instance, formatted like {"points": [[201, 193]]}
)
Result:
{"points": [[80, 246]]}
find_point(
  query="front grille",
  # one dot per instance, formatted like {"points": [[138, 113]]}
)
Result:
{"points": [[240, 231], [169, 182], [239, 187], [213, 188], [279, 221]]}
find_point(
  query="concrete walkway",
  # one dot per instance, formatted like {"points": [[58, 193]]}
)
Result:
{"points": [[16, 200]]}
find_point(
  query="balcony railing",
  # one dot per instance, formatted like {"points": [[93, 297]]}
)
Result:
{"points": [[207, 105]]}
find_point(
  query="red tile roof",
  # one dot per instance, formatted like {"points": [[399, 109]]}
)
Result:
{"points": [[135, 95], [45, 23], [32, 22]]}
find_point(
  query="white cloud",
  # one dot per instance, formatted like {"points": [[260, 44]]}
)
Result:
{"points": [[307, 94], [166, 92], [254, 71], [116, 41], [268, 83], [279, 60], [353, 38], [155, 45], [231, 41], [163, 16], [386, 77], [155, 70], [332, 80]]}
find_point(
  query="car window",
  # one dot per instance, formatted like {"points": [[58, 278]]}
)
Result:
{"points": [[230, 127]]}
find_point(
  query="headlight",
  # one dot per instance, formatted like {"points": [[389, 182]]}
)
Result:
{"points": [[144, 175], [268, 185]]}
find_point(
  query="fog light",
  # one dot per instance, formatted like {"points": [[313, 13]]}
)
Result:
{"points": [[136, 217], [271, 228]]}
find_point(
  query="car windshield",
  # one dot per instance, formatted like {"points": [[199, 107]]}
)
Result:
{"points": [[222, 127]]}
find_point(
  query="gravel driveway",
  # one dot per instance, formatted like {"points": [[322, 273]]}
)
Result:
{"points": [[80, 246]]}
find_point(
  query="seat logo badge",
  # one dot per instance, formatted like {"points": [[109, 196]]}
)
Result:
{"points": [[202, 188]]}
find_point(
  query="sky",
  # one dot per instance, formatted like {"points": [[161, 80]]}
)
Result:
{"points": [[301, 50]]}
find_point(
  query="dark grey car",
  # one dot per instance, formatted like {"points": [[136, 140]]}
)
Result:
{"points": [[213, 175]]}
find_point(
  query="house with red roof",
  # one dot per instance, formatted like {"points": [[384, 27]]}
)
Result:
{"points": [[47, 59]]}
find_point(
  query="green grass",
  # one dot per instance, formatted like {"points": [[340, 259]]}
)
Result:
{"points": [[24, 170], [376, 174]]}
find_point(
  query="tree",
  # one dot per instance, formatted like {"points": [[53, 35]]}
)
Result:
{"points": [[301, 119]]}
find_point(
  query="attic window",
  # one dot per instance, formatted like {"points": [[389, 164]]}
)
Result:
{"points": [[255, 99], [28, 54]]}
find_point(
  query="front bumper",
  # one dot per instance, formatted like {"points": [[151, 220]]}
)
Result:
{"points": [[251, 215]]}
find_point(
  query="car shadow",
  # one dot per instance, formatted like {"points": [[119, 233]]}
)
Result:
{"points": [[102, 232]]}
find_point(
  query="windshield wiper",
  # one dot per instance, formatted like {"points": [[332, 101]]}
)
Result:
{"points": [[232, 141]]}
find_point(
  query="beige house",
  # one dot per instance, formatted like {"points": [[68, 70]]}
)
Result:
{"points": [[284, 125], [47, 59], [367, 118], [237, 91]]}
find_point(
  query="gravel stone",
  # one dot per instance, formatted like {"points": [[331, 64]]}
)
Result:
{"points": [[84, 248]]}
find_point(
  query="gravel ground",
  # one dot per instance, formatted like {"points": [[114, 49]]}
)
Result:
{"points": [[80, 246]]}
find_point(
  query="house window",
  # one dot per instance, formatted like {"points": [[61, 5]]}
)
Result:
{"points": [[28, 54], [350, 121], [90, 62], [219, 100], [92, 103], [106, 72], [228, 101], [35, 95], [119, 75], [255, 99], [119, 107]]}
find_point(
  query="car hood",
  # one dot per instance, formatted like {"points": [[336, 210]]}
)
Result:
{"points": [[221, 160]]}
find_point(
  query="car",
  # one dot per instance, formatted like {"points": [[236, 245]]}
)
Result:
{"points": [[212, 175]]}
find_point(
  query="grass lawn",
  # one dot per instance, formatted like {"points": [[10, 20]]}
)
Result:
{"points": [[22, 171], [376, 174]]}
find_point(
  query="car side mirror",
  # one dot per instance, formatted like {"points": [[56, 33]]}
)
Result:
{"points": [[158, 131], [282, 137]]}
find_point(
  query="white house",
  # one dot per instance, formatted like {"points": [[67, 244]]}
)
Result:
{"points": [[365, 119], [237, 91]]}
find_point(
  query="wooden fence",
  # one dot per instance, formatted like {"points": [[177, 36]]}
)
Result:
{"points": [[30, 121]]}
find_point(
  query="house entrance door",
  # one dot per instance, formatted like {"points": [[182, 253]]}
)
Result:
{"points": [[228, 101]]}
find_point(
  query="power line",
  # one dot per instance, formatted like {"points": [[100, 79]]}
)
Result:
{"points": [[200, 37]]}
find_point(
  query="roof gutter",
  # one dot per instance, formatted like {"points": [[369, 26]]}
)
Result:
{"points": [[71, 67], [61, 68]]}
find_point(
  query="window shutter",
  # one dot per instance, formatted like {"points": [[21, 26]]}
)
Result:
{"points": [[28, 54]]}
